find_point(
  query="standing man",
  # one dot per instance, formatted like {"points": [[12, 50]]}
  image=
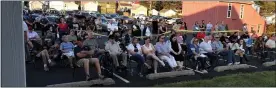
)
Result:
{"points": [[209, 28]]}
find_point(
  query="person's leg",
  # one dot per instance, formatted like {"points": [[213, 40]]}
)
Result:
{"points": [[173, 61], [97, 65], [167, 59], [85, 63], [155, 65], [124, 59], [153, 56], [212, 57], [202, 62], [140, 60], [44, 59], [115, 59]]}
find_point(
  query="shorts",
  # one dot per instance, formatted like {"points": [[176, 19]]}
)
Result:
{"points": [[80, 62], [69, 54]]}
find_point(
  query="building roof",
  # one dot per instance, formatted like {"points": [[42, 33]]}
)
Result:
{"points": [[242, 2], [125, 4], [165, 10]]}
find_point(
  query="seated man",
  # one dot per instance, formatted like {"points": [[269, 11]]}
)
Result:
{"points": [[114, 49], [93, 44], [84, 58], [66, 48], [222, 50], [34, 38], [206, 49]]}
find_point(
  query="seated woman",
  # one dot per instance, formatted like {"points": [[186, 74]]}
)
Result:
{"points": [[135, 51], [163, 52], [66, 48], [239, 50], [193, 52], [176, 51], [149, 50]]}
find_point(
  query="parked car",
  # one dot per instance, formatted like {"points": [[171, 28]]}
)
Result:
{"points": [[140, 16], [173, 20]]}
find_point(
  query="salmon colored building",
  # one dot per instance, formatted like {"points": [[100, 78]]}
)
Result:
{"points": [[234, 14]]}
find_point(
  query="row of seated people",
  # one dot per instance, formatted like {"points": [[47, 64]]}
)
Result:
{"points": [[170, 52]]}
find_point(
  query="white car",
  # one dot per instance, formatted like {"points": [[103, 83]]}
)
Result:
{"points": [[140, 16], [173, 20]]}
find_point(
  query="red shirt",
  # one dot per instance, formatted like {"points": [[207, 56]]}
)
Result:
{"points": [[181, 27], [200, 35], [63, 27]]}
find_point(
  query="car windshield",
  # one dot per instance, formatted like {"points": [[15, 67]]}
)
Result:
{"points": [[52, 19]]}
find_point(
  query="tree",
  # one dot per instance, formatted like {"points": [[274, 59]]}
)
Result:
{"points": [[267, 7], [79, 4]]}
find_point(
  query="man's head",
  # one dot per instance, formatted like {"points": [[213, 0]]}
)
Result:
{"points": [[135, 40], [217, 37], [209, 22], [207, 38], [65, 38], [202, 21], [90, 35], [111, 38]]}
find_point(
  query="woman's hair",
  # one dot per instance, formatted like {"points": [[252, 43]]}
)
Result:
{"points": [[171, 38], [146, 38], [160, 37]]}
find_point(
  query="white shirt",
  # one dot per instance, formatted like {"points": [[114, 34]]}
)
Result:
{"points": [[209, 26], [205, 47], [270, 43], [32, 35], [25, 27], [130, 47], [148, 33], [112, 27]]}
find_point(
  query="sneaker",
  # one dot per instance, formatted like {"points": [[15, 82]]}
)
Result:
{"points": [[46, 69], [236, 63], [229, 64], [140, 74], [162, 63], [101, 76], [204, 71], [52, 63]]}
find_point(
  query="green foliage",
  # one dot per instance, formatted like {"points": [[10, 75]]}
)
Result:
{"points": [[159, 5], [270, 28], [257, 79], [267, 7]]}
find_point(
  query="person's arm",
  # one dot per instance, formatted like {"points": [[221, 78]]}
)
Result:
{"points": [[144, 51], [107, 48], [267, 44], [180, 49], [130, 50]]}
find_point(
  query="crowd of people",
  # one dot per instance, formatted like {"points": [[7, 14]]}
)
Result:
{"points": [[74, 38]]}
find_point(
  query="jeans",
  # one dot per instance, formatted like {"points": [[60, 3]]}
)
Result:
{"points": [[229, 54], [140, 60], [212, 57], [248, 50]]}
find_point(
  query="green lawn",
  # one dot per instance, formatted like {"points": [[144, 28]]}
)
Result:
{"points": [[258, 79]]}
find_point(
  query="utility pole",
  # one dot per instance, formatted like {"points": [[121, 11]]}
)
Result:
{"points": [[150, 8]]}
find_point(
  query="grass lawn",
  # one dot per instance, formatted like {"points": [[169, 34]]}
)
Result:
{"points": [[257, 79]]}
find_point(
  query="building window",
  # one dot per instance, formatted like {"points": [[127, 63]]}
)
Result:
{"points": [[241, 11], [259, 28], [229, 10]]}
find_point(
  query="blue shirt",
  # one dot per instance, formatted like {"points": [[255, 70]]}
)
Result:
{"points": [[162, 47], [249, 42], [217, 45], [67, 46], [192, 48]]}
